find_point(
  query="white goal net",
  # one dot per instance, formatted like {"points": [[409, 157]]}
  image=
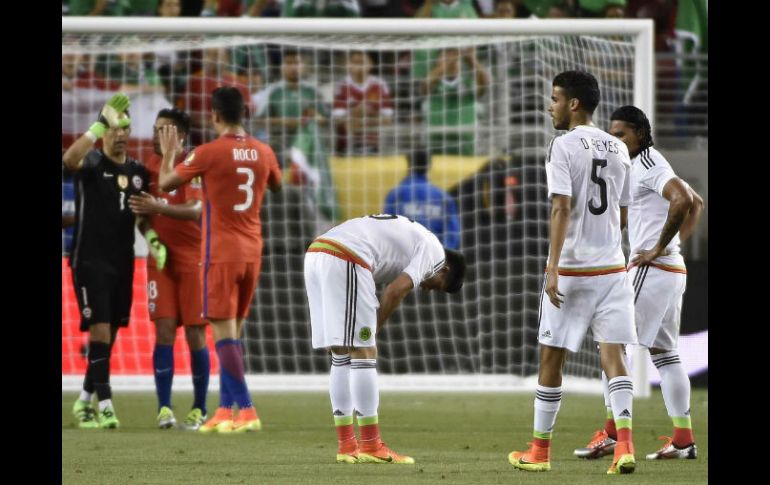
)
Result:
{"points": [[344, 111]]}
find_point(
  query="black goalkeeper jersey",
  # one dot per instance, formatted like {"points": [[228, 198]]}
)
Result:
{"points": [[104, 223]]}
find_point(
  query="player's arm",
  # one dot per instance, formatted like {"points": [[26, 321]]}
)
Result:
{"points": [[145, 204], [112, 115], [168, 179], [560, 209], [680, 201], [623, 218], [392, 296], [688, 226]]}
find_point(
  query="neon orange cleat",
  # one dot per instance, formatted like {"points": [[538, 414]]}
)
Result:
{"points": [[221, 422], [623, 461], [347, 451], [600, 445], [383, 454], [535, 459], [247, 420]]}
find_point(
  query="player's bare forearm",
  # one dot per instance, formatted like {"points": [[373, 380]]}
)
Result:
{"points": [[560, 209], [73, 157], [623, 218], [392, 296], [680, 201], [692, 218], [189, 211]]}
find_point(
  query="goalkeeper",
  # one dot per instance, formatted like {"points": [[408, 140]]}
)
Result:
{"points": [[170, 224], [102, 256]]}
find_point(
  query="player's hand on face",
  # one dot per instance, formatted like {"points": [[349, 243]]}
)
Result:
{"points": [[143, 204], [552, 288], [168, 139]]}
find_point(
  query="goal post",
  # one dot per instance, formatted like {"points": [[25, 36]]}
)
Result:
{"points": [[485, 129]]}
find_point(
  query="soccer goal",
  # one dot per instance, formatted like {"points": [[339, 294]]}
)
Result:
{"points": [[344, 103]]}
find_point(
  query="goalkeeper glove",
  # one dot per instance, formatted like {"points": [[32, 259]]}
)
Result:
{"points": [[157, 249], [112, 115]]}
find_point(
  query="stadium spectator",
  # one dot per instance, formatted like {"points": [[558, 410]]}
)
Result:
{"points": [[84, 91], [313, 8], [284, 106], [102, 258], [215, 71], [171, 221], [505, 9], [143, 85], [663, 214], [341, 270], [601, 8], [362, 104], [447, 9], [236, 169], [141, 8], [89, 7], [418, 199], [170, 64], [454, 84], [264, 8]]}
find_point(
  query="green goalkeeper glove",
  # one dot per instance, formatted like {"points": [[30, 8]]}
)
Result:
{"points": [[112, 115], [157, 249]]}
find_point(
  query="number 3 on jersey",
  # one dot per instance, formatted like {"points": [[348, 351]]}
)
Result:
{"points": [[246, 188]]}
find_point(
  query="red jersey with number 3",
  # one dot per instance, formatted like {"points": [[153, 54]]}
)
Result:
{"points": [[182, 238], [235, 171]]}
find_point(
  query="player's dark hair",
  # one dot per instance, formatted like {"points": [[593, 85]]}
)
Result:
{"points": [[419, 163], [179, 118], [227, 101], [581, 85], [636, 118], [456, 274]]}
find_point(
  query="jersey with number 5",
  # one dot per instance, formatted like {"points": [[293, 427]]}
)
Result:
{"points": [[593, 168], [235, 171]]}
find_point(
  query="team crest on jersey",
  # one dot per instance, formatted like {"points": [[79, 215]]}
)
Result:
{"points": [[189, 159], [87, 312], [365, 334], [151, 306], [122, 182], [137, 181]]}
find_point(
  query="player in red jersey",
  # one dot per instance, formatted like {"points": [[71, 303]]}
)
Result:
{"points": [[236, 169], [170, 221]]}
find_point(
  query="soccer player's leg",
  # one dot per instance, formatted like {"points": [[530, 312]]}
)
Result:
{"points": [[247, 419], [603, 441], [560, 329], [162, 305], [93, 287], [219, 299], [360, 333], [189, 291], [613, 327], [325, 279], [668, 286]]}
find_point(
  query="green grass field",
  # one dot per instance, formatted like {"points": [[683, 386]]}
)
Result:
{"points": [[455, 438]]}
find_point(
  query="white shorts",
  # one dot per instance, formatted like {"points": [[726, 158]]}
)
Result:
{"points": [[658, 306], [343, 302], [605, 303]]}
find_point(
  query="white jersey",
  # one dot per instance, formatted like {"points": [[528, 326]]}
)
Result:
{"points": [[648, 211], [593, 168], [391, 245]]}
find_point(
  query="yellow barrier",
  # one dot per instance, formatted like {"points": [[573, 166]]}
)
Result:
{"points": [[363, 182]]}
